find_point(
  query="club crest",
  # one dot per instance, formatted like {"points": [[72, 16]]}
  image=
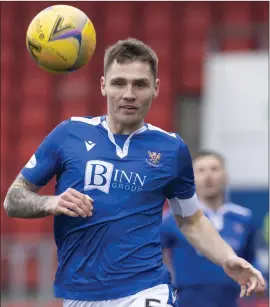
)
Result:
{"points": [[154, 158]]}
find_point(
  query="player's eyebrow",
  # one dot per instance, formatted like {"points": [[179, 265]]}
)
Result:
{"points": [[144, 80], [116, 79]]}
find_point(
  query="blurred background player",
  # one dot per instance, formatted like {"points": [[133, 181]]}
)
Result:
{"points": [[199, 281]]}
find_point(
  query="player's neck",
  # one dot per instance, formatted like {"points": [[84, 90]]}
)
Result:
{"points": [[213, 203], [118, 128]]}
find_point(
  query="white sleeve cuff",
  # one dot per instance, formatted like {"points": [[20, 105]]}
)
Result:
{"points": [[184, 207]]}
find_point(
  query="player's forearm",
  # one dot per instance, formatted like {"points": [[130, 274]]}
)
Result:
{"points": [[204, 237], [23, 203]]}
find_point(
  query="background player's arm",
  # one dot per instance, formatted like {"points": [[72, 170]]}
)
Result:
{"points": [[168, 241], [22, 200]]}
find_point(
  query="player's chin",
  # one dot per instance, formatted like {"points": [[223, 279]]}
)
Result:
{"points": [[130, 117], [210, 193]]}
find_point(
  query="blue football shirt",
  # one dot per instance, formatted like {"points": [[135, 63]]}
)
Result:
{"points": [[116, 252], [235, 225]]}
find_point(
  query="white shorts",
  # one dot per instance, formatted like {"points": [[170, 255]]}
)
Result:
{"points": [[159, 296]]}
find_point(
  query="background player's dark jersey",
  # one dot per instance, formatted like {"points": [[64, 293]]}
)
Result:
{"points": [[235, 225], [117, 251]]}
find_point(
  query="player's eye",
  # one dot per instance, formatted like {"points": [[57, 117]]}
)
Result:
{"points": [[118, 83], [200, 170], [141, 84]]}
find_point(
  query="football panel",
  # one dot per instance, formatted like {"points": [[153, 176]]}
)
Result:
{"points": [[88, 45]]}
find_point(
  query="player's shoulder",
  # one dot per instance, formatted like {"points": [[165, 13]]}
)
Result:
{"points": [[72, 125], [238, 211], [165, 135], [85, 120], [78, 122], [64, 127]]}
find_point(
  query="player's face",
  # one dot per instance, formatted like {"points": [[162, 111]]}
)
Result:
{"points": [[210, 177], [130, 88]]}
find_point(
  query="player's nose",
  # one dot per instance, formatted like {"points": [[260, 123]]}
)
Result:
{"points": [[129, 93]]}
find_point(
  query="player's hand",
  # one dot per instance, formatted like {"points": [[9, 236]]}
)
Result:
{"points": [[71, 203], [249, 279]]}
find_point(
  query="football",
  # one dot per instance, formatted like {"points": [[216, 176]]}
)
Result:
{"points": [[61, 39]]}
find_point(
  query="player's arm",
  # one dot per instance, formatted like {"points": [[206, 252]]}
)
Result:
{"points": [[199, 231], [22, 200], [194, 225]]}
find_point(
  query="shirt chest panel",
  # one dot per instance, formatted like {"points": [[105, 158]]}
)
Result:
{"points": [[97, 166]]}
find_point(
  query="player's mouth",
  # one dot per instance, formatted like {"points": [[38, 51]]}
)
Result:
{"points": [[129, 109]]}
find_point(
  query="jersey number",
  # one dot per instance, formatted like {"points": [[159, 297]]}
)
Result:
{"points": [[148, 302]]}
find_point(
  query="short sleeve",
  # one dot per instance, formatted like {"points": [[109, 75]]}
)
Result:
{"points": [[183, 184], [44, 163]]}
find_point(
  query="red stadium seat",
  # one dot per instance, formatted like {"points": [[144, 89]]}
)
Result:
{"points": [[158, 34], [74, 109], [260, 12], [190, 66], [195, 19], [236, 26], [122, 15], [34, 119], [5, 89], [28, 146]]}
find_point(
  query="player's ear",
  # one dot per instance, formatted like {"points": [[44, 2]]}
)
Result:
{"points": [[102, 86], [156, 91]]}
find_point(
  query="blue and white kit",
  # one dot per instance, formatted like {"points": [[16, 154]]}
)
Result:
{"points": [[116, 253]]}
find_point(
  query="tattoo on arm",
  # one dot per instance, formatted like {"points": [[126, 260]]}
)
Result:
{"points": [[23, 202]]}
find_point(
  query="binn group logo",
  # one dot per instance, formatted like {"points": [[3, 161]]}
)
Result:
{"points": [[103, 176]]}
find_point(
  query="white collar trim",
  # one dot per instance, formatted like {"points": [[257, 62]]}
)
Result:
{"points": [[121, 153]]}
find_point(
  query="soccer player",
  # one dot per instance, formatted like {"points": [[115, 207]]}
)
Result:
{"points": [[124, 168], [199, 281]]}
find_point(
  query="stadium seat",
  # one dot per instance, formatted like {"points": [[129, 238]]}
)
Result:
{"points": [[115, 15], [195, 19], [28, 146], [5, 89], [158, 34], [260, 12], [6, 60], [34, 119], [190, 64], [36, 84], [236, 23], [74, 109], [4, 149]]}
